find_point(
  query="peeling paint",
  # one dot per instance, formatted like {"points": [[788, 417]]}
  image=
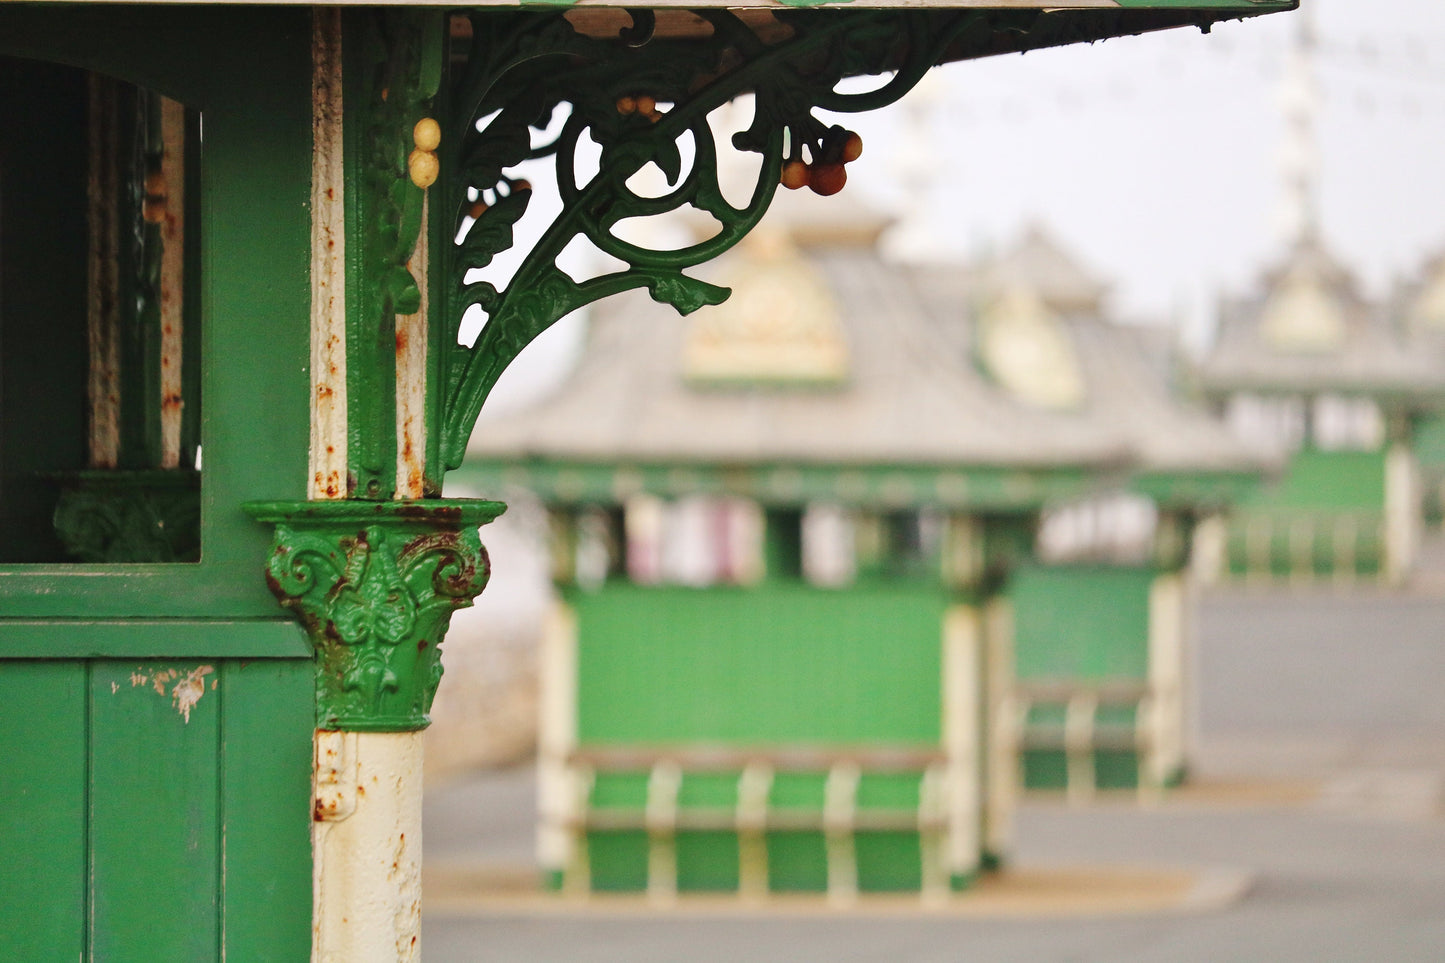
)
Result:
{"points": [[187, 691], [328, 264]]}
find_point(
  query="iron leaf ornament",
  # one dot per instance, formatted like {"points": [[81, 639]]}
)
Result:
{"points": [[638, 97]]}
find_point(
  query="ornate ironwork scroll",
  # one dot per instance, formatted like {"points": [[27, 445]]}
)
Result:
{"points": [[638, 97]]}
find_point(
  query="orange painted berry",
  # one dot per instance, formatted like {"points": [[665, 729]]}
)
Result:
{"points": [[626, 105], [852, 148], [646, 104], [828, 179], [795, 175]]}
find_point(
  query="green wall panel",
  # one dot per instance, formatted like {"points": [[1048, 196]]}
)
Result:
{"points": [[707, 862], [130, 832], [888, 862], [1326, 480], [267, 715], [1081, 622], [42, 811], [154, 858], [797, 862], [774, 665]]}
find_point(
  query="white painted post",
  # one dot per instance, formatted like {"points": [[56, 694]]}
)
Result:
{"points": [[560, 803], [366, 848], [962, 741], [1402, 512], [1167, 613]]}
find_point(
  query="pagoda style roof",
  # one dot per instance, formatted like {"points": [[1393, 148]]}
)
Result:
{"points": [[831, 357], [1308, 329]]}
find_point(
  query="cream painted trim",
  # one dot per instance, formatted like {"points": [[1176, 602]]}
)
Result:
{"points": [[411, 355], [328, 473], [962, 682], [1002, 711], [173, 278]]}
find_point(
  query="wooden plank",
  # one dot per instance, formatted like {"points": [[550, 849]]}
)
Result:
{"points": [[266, 728], [280, 638], [42, 811], [154, 832]]}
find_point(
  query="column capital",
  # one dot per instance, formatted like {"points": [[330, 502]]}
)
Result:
{"points": [[375, 585]]}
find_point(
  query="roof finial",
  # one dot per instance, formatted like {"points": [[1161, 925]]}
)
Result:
{"points": [[1299, 99]]}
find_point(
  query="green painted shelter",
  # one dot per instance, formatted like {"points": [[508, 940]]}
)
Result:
{"points": [[795, 543], [1307, 366], [237, 244]]}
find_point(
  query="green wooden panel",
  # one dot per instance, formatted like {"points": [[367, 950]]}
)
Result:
{"points": [[707, 862], [797, 862], [1326, 480], [42, 811], [618, 860], [154, 788], [267, 715], [888, 862], [778, 664], [1081, 622]]}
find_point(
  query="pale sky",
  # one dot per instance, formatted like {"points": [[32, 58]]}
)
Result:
{"points": [[1157, 158]]}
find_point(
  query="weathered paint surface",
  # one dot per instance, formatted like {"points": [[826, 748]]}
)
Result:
{"points": [[411, 378], [328, 263], [172, 282], [367, 882]]}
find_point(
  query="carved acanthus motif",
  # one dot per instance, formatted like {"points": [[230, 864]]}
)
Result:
{"points": [[375, 586]]}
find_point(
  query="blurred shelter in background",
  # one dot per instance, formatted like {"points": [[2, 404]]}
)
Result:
{"points": [[786, 533], [1308, 366]]}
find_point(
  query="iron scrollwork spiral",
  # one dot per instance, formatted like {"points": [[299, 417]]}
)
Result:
{"points": [[638, 97]]}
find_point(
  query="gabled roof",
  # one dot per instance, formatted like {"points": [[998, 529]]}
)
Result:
{"points": [[1308, 329], [911, 394]]}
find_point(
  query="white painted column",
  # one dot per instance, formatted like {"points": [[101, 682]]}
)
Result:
{"points": [[1402, 511], [1167, 611], [366, 844], [559, 795], [962, 740]]}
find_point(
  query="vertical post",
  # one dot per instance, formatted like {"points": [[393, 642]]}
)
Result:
{"points": [[962, 716], [1402, 512], [561, 825], [1001, 708], [1167, 611]]}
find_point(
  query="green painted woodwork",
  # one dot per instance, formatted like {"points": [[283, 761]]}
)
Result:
{"points": [[248, 73], [375, 585], [1325, 511], [1314, 479], [81, 638], [775, 665], [781, 664], [562, 482], [154, 810], [43, 897], [1080, 622]]}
